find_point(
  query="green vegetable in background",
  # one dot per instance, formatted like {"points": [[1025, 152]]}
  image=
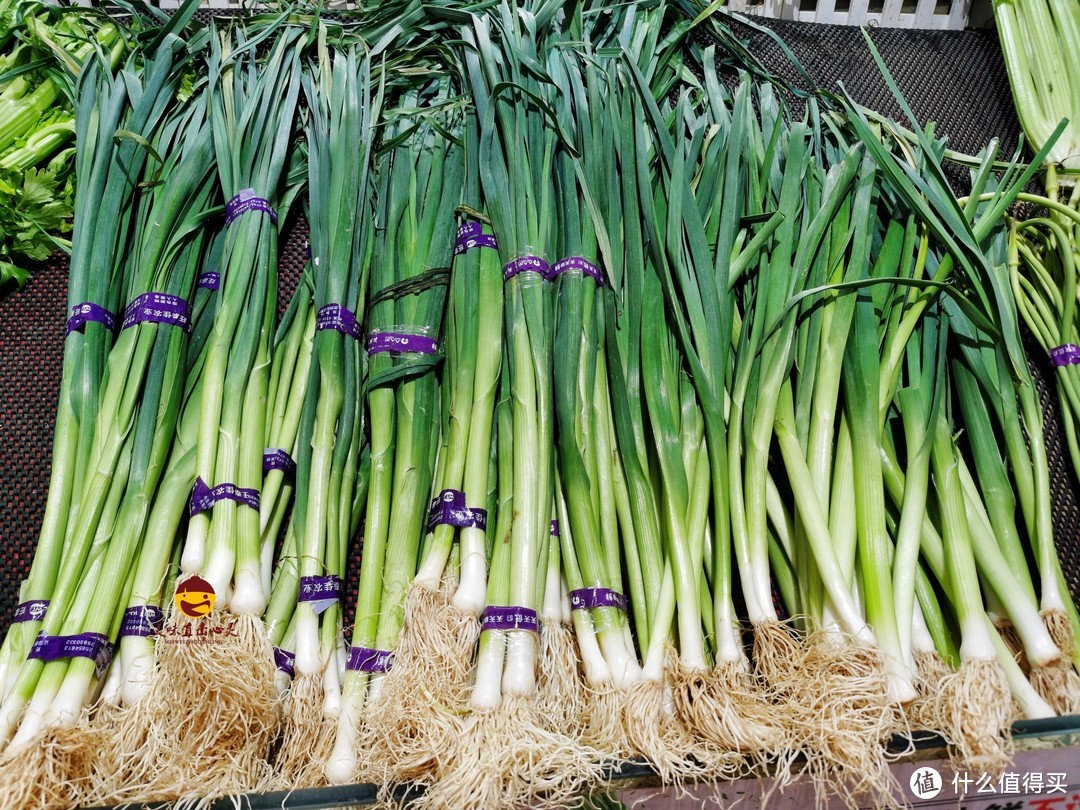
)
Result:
{"points": [[34, 205], [41, 54]]}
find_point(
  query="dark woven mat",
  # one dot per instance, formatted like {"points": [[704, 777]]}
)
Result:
{"points": [[954, 78]]}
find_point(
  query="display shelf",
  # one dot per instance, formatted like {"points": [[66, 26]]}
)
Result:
{"points": [[635, 777]]}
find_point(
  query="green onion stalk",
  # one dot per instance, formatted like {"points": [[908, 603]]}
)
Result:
{"points": [[284, 483], [651, 584], [979, 682], [420, 185], [290, 375], [862, 542], [344, 100], [220, 715], [109, 169], [140, 400], [118, 726], [706, 177], [944, 704], [916, 403], [964, 232], [503, 753], [290, 372], [761, 405], [516, 162], [984, 375], [590, 548], [958, 234], [847, 672], [433, 659]]}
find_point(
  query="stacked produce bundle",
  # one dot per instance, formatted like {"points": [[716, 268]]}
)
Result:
{"points": [[709, 438], [442, 608], [212, 707], [118, 403], [343, 104], [419, 187]]}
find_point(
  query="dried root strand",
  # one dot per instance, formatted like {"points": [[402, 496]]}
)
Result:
{"points": [[560, 692], [507, 758], [778, 651], [656, 731], [25, 782], [841, 716], [126, 755], [729, 709], [213, 710], [422, 697], [1059, 685], [847, 695], [930, 670], [1060, 628], [603, 724], [1012, 640], [973, 715], [51, 772], [307, 736]]}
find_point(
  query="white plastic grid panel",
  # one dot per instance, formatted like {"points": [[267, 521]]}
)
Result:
{"points": [[940, 14], [169, 5]]}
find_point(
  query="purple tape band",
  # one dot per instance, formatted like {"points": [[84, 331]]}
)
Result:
{"points": [[82, 314], [210, 281], [450, 509], [578, 263], [588, 598], [555, 528], [94, 646], [203, 497], [171, 310], [32, 611], [277, 459], [245, 202], [285, 661], [340, 319], [471, 235], [142, 620], [509, 617], [363, 659], [316, 589], [1066, 355], [526, 264], [398, 342]]}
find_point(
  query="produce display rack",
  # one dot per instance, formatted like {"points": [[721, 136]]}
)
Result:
{"points": [[954, 78]]}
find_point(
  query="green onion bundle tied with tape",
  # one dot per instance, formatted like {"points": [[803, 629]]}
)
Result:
{"points": [[505, 750], [344, 98], [419, 188], [218, 709], [432, 663], [140, 400]]}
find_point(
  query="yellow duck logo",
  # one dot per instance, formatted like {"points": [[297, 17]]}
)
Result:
{"points": [[195, 598]]}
